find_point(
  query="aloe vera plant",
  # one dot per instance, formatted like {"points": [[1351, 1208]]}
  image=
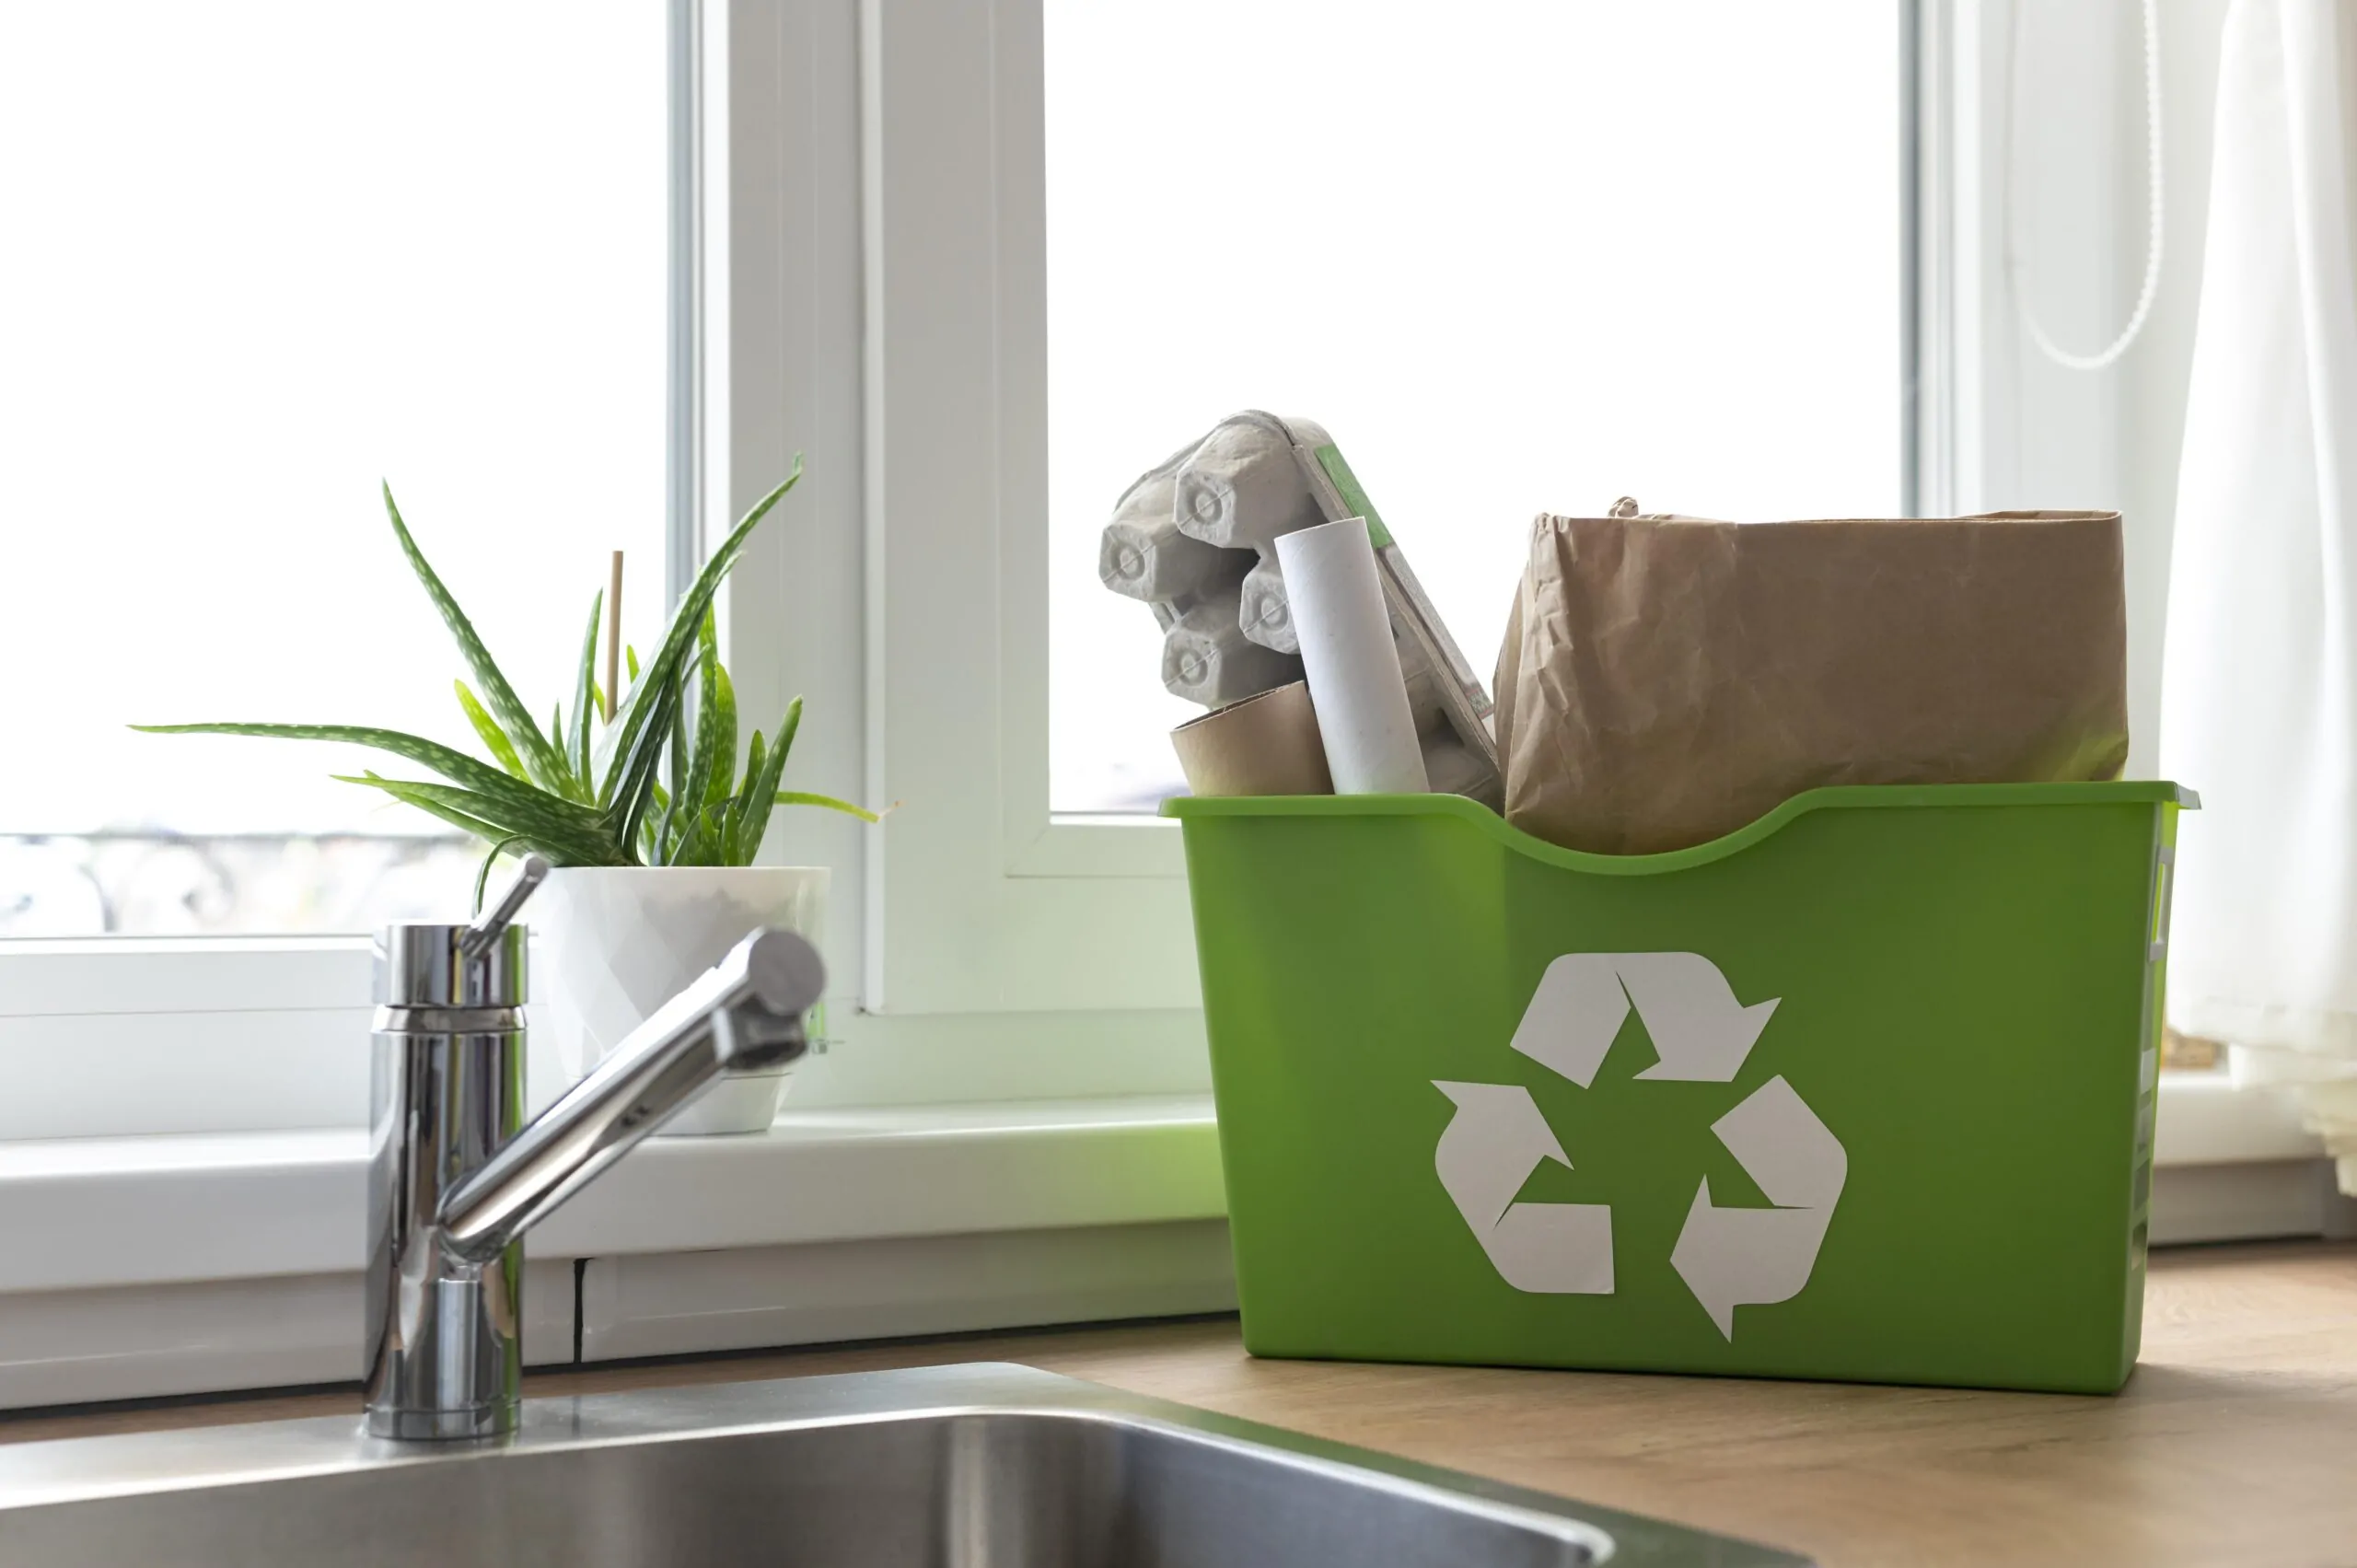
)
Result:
{"points": [[585, 794]]}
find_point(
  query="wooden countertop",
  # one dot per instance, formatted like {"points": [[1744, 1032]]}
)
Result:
{"points": [[2234, 1442]]}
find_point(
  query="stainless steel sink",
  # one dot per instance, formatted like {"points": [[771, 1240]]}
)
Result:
{"points": [[953, 1467]]}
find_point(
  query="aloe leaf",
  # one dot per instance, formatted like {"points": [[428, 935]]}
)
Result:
{"points": [[455, 765], [803, 798], [678, 770], [707, 840], [560, 835], [724, 750], [630, 660], [752, 818], [580, 843], [482, 872], [634, 790], [755, 755], [756, 764], [656, 827], [705, 759], [698, 784], [633, 731], [787, 729], [475, 826], [541, 759], [502, 748], [692, 849], [427, 799], [715, 723], [584, 699], [670, 803], [664, 849]]}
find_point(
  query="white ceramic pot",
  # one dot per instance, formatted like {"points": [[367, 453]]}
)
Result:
{"points": [[615, 943]]}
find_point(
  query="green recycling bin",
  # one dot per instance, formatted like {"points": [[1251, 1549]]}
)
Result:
{"points": [[1864, 1090]]}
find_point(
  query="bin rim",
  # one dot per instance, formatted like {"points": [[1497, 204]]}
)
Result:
{"points": [[1829, 797]]}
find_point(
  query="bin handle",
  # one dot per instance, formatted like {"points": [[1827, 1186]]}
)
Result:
{"points": [[2163, 876]]}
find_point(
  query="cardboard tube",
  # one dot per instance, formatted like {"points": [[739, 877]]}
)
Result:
{"points": [[1336, 596], [1263, 745]]}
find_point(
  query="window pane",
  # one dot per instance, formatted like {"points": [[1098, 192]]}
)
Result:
{"points": [[1516, 257], [262, 255]]}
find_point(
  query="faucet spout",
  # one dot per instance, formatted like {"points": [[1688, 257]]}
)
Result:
{"points": [[743, 1015]]}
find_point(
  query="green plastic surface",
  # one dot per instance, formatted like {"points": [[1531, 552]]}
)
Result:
{"points": [[1967, 984], [1346, 485]]}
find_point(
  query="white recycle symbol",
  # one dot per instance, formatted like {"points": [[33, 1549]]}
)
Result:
{"points": [[1727, 1257]]}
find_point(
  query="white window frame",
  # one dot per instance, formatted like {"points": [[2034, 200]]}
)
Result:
{"points": [[982, 898]]}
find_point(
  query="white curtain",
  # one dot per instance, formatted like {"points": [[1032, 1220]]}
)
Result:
{"points": [[2259, 708]]}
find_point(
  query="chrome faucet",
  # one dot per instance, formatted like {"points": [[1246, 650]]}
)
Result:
{"points": [[455, 1178]]}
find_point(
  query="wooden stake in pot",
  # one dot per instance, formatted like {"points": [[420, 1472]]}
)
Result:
{"points": [[613, 634]]}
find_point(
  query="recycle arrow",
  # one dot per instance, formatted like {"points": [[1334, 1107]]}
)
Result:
{"points": [[1700, 1030], [1491, 1146], [1729, 1257]]}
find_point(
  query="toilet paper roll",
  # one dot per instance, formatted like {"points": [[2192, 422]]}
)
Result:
{"points": [[1336, 597], [1263, 745]]}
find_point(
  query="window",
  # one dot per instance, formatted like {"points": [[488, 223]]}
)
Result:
{"points": [[1516, 257], [265, 254]]}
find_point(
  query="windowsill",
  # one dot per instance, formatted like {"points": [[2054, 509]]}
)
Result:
{"points": [[171, 1208], [193, 1262], [2206, 1119], [162, 1210]]}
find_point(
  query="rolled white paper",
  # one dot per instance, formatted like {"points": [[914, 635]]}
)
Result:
{"points": [[1336, 598]]}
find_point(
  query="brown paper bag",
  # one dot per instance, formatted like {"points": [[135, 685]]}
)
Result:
{"points": [[1666, 680]]}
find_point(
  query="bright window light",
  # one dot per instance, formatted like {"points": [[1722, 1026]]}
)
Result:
{"points": [[263, 253], [1515, 255]]}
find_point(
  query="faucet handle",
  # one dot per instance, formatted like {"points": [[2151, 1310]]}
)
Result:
{"points": [[431, 964], [486, 929]]}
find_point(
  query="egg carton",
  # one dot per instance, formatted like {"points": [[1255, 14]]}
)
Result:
{"points": [[1195, 539]]}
